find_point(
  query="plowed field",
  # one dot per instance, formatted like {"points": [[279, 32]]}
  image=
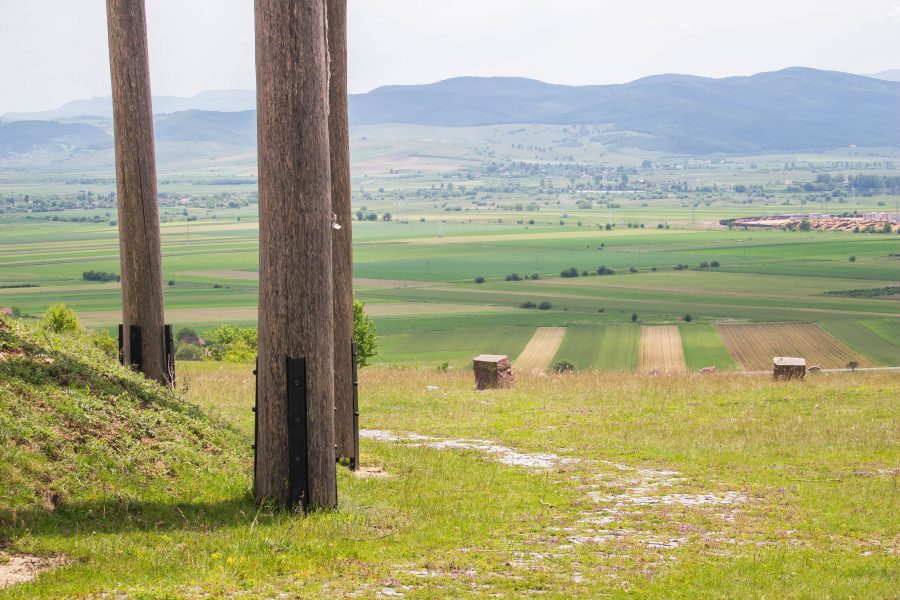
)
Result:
{"points": [[754, 345], [661, 349], [541, 349]]}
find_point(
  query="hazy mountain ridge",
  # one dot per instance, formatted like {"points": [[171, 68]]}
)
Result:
{"points": [[795, 109]]}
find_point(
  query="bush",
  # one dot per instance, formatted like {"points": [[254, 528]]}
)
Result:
{"points": [[479, 280], [363, 334], [190, 352], [545, 305], [514, 277], [535, 276], [603, 270], [570, 272], [704, 265], [632, 270], [231, 343], [715, 264], [688, 318], [634, 317], [171, 282], [528, 304], [186, 332], [563, 366], [106, 344], [61, 319], [852, 365], [100, 276], [852, 259]]}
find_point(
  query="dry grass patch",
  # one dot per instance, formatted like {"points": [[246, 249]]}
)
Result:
{"points": [[661, 350], [541, 349]]}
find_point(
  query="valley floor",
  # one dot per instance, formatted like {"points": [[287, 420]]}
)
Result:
{"points": [[577, 485]]}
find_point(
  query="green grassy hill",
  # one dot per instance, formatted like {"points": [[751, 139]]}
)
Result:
{"points": [[84, 440]]}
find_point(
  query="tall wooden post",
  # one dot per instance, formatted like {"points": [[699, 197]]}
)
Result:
{"points": [[296, 318], [342, 244], [139, 245]]}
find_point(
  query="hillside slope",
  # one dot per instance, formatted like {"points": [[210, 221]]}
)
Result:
{"points": [[79, 432], [793, 109]]}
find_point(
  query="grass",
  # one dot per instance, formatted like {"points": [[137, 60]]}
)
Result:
{"points": [[855, 334], [619, 346], [810, 469], [704, 348]]}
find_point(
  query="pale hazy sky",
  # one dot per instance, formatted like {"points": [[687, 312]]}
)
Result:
{"points": [[53, 51]]}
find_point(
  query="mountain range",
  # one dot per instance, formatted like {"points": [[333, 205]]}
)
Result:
{"points": [[797, 109]]}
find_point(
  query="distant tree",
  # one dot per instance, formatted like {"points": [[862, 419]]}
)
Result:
{"points": [[805, 225], [632, 270], [688, 318], [704, 265], [386, 216], [479, 280], [634, 317], [852, 258], [527, 304], [852, 365], [185, 333], [372, 217], [545, 305], [570, 272], [715, 264], [360, 215], [563, 366], [535, 276]]}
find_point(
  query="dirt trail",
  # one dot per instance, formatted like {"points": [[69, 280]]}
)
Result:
{"points": [[661, 350], [541, 349]]}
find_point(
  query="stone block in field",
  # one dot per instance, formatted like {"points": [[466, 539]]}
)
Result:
{"points": [[789, 367], [492, 371]]}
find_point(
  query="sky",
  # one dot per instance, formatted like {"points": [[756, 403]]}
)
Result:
{"points": [[54, 51]]}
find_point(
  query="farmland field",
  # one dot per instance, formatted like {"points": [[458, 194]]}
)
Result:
{"points": [[454, 233], [541, 349], [661, 350], [754, 345], [855, 334], [704, 348]]}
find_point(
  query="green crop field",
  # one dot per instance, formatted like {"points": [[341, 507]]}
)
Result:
{"points": [[881, 350], [704, 348]]}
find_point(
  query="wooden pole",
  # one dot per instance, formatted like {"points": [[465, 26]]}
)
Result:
{"points": [[296, 318], [342, 243], [139, 246]]}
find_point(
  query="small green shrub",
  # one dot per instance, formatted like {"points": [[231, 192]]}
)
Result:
{"points": [[190, 352], [106, 343], [61, 319], [545, 305], [563, 366], [363, 334]]}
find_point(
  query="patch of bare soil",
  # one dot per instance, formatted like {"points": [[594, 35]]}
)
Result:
{"points": [[372, 473], [21, 568]]}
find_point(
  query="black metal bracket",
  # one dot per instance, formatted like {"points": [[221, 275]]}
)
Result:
{"points": [[169, 339], [255, 423], [134, 347], [354, 460], [298, 452]]}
